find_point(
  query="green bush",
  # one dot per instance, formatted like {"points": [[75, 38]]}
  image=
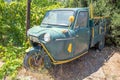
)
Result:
{"points": [[12, 58], [12, 32], [110, 8], [13, 19]]}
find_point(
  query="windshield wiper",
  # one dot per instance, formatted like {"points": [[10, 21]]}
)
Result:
{"points": [[55, 24]]}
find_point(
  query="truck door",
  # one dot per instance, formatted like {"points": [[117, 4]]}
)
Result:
{"points": [[82, 31]]}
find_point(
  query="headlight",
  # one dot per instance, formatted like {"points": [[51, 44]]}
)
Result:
{"points": [[34, 39], [47, 37]]}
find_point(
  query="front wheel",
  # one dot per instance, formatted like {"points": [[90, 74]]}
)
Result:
{"points": [[33, 61]]}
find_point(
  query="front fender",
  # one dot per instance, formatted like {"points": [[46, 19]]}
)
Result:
{"points": [[32, 49]]}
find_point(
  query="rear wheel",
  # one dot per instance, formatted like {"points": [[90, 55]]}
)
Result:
{"points": [[101, 44]]}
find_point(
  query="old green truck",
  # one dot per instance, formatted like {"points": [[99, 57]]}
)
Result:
{"points": [[64, 35]]}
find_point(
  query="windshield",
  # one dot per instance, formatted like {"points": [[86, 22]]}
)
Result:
{"points": [[56, 17]]}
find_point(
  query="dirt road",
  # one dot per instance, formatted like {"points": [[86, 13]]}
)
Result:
{"points": [[94, 65]]}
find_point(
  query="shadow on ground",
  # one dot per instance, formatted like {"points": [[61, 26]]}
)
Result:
{"points": [[82, 67]]}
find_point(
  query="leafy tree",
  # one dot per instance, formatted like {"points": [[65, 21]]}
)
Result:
{"points": [[13, 16]]}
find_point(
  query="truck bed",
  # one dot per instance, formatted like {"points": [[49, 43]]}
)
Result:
{"points": [[98, 29]]}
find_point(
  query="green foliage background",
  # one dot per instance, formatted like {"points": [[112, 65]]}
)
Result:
{"points": [[13, 16], [13, 19], [12, 31]]}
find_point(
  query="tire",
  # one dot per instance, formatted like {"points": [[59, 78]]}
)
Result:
{"points": [[33, 60], [101, 44]]}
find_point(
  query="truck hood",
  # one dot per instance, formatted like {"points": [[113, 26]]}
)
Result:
{"points": [[56, 33], [37, 30]]}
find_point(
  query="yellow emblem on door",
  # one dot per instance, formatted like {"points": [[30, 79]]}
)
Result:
{"points": [[70, 48]]}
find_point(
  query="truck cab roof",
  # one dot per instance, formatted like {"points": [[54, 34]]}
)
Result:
{"points": [[73, 9]]}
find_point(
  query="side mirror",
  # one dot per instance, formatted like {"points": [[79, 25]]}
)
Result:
{"points": [[71, 19]]}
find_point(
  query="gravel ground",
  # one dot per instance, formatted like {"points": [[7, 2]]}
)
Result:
{"points": [[95, 65]]}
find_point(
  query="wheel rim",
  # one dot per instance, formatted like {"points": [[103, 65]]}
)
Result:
{"points": [[35, 62]]}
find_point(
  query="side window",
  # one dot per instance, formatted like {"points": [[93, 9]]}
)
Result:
{"points": [[82, 19]]}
